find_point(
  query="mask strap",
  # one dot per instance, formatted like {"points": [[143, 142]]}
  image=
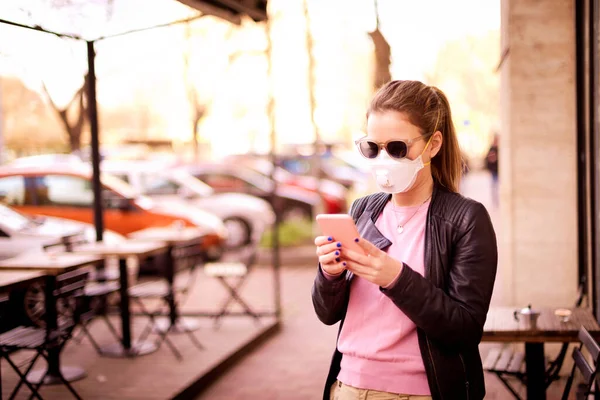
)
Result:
{"points": [[437, 121], [425, 148]]}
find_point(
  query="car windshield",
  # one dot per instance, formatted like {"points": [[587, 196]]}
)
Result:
{"points": [[264, 167], [193, 184], [256, 179], [120, 186], [126, 190], [13, 220]]}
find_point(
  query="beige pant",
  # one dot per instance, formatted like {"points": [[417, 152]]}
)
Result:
{"points": [[340, 391]]}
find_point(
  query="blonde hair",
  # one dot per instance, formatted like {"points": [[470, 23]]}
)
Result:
{"points": [[426, 107]]}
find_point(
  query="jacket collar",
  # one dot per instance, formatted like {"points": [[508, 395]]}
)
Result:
{"points": [[366, 222]]}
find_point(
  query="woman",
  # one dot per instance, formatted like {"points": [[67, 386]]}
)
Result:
{"points": [[412, 310]]}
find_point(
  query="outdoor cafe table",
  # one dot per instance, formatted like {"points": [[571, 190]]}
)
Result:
{"points": [[123, 250], [173, 237], [10, 280], [501, 326], [50, 266]]}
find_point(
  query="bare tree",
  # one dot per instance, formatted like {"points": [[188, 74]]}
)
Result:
{"points": [[382, 53], [198, 108], [73, 116]]}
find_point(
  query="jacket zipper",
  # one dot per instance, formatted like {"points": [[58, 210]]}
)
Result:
{"points": [[434, 370], [465, 371], [428, 276]]}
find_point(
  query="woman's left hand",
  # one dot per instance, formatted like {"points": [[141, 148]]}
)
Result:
{"points": [[376, 267]]}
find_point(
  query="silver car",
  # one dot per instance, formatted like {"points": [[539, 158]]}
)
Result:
{"points": [[246, 217], [20, 233]]}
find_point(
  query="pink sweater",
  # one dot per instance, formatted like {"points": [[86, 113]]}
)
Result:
{"points": [[379, 343]]}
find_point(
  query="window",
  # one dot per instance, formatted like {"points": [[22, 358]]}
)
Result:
{"points": [[153, 184], [64, 190], [12, 190], [298, 166], [123, 177], [13, 220], [72, 191]]}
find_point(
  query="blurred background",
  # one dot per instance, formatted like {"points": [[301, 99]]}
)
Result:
{"points": [[199, 94], [231, 124]]}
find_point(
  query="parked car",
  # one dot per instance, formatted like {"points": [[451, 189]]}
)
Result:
{"points": [[331, 167], [65, 191], [20, 233], [136, 151], [290, 201], [334, 194], [246, 217], [46, 159]]}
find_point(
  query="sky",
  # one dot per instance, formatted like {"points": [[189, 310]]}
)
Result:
{"points": [[150, 65]]}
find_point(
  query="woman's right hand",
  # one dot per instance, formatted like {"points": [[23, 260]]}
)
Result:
{"points": [[329, 253]]}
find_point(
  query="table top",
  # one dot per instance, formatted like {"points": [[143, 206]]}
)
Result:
{"points": [[12, 279], [128, 248], [50, 263], [168, 234], [501, 326]]}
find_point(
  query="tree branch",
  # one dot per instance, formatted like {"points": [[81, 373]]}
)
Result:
{"points": [[75, 130]]}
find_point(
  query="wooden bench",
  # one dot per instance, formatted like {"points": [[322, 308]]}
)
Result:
{"points": [[506, 363]]}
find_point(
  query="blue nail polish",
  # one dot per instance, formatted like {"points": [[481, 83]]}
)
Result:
{"points": [[337, 253], [330, 238], [339, 244], [356, 240], [344, 263], [337, 259]]}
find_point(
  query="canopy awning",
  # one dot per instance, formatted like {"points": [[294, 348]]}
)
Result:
{"points": [[231, 10]]}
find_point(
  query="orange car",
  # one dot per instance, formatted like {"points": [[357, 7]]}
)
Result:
{"points": [[65, 191]]}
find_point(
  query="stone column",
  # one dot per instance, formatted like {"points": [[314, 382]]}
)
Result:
{"points": [[538, 172]]}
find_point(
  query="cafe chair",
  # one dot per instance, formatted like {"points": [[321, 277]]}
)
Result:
{"points": [[95, 296], [509, 365], [68, 294], [587, 369], [102, 283], [233, 275], [186, 259], [99, 288]]}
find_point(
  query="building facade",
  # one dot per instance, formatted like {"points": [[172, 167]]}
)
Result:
{"points": [[549, 152]]}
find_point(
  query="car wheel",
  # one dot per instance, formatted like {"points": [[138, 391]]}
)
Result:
{"points": [[239, 232], [34, 302], [34, 305]]}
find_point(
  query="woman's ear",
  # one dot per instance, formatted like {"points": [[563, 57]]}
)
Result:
{"points": [[436, 144]]}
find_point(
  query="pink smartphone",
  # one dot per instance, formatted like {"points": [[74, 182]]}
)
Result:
{"points": [[341, 228]]}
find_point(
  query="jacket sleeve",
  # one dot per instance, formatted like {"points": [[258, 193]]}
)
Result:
{"points": [[456, 317], [330, 297]]}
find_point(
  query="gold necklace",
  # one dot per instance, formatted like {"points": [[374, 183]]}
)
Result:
{"points": [[399, 226]]}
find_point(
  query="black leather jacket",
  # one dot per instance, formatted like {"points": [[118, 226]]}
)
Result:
{"points": [[449, 304]]}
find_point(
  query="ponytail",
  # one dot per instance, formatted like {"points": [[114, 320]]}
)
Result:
{"points": [[446, 166]]}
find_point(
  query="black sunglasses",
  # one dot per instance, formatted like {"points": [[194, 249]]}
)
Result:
{"points": [[396, 148]]}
